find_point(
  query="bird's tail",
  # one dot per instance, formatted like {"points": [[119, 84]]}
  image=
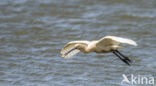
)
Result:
{"points": [[119, 47], [116, 47]]}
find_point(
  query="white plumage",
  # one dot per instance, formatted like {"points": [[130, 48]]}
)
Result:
{"points": [[104, 45], [69, 46], [116, 40]]}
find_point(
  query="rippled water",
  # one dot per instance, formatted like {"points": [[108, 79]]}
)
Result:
{"points": [[32, 33]]}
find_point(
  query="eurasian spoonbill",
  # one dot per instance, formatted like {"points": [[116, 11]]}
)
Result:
{"points": [[104, 45]]}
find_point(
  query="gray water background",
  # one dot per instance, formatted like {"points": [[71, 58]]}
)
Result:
{"points": [[32, 33]]}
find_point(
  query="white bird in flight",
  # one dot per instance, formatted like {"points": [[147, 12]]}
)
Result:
{"points": [[104, 45]]}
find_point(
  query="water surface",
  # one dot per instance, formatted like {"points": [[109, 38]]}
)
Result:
{"points": [[32, 33]]}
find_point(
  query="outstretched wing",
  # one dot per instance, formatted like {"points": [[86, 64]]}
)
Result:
{"points": [[113, 40], [69, 49]]}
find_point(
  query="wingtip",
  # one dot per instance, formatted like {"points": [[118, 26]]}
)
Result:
{"points": [[131, 42], [135, 44]]}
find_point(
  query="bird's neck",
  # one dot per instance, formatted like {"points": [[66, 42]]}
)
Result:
{"points": [[83, 48]]}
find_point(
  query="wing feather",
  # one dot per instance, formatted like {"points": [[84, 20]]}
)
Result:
{"points": [[113, 40]]}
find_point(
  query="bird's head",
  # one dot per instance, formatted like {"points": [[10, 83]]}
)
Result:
{"points": [[80, 47]]}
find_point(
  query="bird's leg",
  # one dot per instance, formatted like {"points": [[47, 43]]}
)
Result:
{"points": [[124, 60]]}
